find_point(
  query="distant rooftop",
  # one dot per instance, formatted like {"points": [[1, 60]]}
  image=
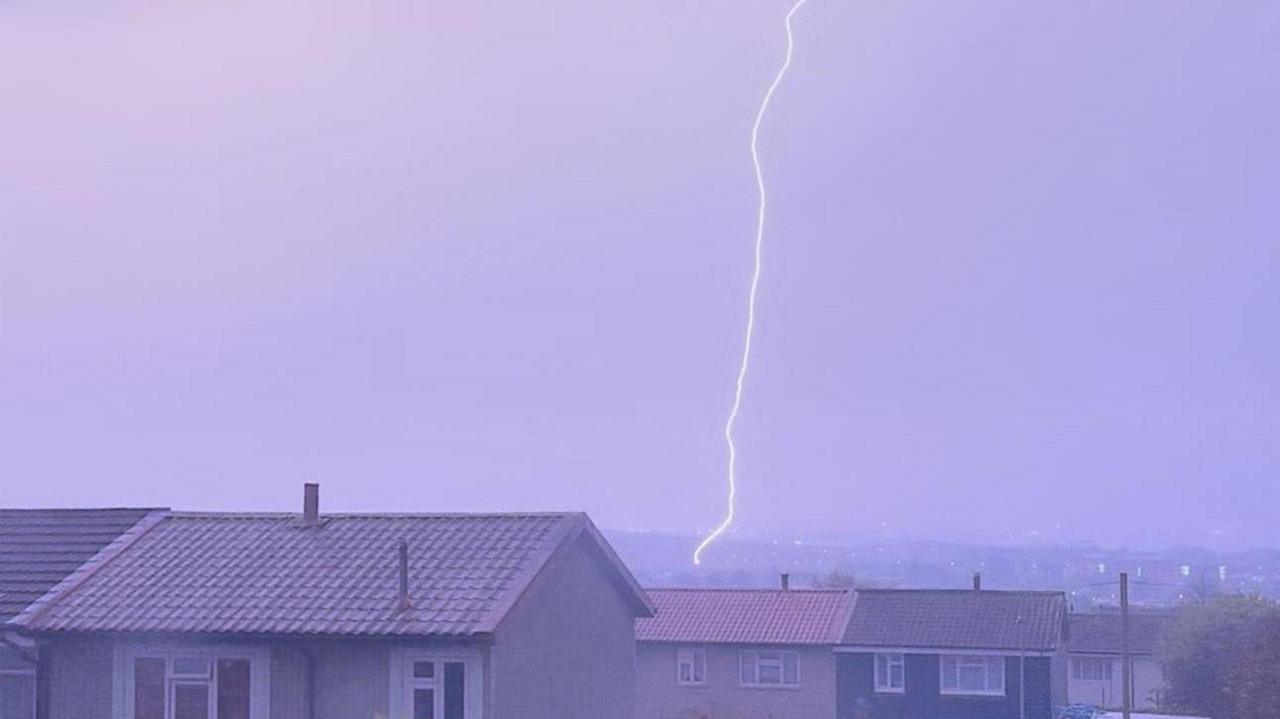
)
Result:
{"points": [[1100, 633], [957, 619], [41, 547], [746, 616]]}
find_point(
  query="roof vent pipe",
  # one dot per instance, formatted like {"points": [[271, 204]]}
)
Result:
{"points": [[404, 576], [977, 581], [786, 581], [310, 504]]}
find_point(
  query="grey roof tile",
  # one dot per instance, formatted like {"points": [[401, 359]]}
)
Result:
{"points": [[41, 547], [957, 619], [266, 573]]}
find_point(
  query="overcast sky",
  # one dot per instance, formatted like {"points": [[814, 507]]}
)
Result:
{"points": [[1020, 282]]}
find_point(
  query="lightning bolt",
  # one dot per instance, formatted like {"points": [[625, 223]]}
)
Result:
{"points": [[752, 294]]}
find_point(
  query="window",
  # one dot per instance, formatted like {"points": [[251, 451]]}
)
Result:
{"points": [[769, 668], [691, 667], [1091, 669], [17, 695], [437, 689], [966, 674], [192, 685], [891, 673]]}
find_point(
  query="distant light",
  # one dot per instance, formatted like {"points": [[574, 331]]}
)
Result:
{"points": [[1186, 570]]}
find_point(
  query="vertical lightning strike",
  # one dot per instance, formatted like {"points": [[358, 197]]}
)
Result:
{"points": [[752, 294]]}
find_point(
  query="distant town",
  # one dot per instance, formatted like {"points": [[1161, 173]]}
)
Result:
{"points": [[1088, 574]]}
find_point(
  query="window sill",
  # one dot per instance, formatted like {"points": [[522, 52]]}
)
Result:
{"points": [[975, 694]]}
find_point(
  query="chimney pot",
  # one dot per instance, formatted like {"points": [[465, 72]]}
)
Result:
{"points": [[977, 581], [310, 503], [786, 581]]}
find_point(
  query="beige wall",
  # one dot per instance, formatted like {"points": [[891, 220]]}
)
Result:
{"points": [[1147, 682], [567, 650], [659, 696]]}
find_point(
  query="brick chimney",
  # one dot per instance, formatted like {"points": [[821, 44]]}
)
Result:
{"points": [[310, 504], [786, 581], [977, 581]]}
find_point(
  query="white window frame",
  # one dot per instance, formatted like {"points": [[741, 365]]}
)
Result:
{"points": [[890, 660], [402, 682], [780, 662], [1077, 667], [691, 657], [125, 654], [26, 674], [989, 663]]}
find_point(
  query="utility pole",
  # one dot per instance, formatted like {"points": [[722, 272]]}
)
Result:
{"points": [[1125, 693]]}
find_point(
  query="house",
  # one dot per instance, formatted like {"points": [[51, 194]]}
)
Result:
{"points": [[952, 654], [739, 653], [344, 616], [1095, 647], [38, 549]]}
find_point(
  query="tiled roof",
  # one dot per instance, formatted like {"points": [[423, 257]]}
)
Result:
{"points": [[745, 616], [1101, 633], [266, 573], [41, 547], [957, 619]]}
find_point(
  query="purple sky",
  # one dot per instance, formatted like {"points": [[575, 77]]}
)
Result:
{"points": [[1021, 271]]}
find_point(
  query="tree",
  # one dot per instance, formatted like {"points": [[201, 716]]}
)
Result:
{"points": [[1216, 659], [1255, 681]]}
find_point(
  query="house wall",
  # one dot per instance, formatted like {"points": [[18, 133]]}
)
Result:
{"points": [[1148, 681], [352, 678], [79, 678], [660, 696], [922, 698], [17, 684], [567, 648]]}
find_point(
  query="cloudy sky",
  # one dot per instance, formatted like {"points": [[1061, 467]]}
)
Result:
{"points": [[1021, 271]]}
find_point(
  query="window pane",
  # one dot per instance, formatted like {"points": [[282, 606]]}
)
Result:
{"points": [[233, 689], [748, 660], [769, 673], [686, 672], [948, 672], [455, 685], [424, 704], [424, 670], [148, 688], [17, 697], [896, 676], [882, 671], [995, 674], [790, 668], [973, 677], [190, 701], [699, 667], [191, 667]]}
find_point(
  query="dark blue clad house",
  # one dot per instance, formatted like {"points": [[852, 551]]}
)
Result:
{"points": [[952, 654]]}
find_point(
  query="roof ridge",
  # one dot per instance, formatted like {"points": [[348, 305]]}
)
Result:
{"points": [[747, 590], [235, 514], [975, 592]]}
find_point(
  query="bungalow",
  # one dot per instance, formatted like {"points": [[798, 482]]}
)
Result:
{"points": [[739, 654], [38, 549], [343, 616], [1095, 648], [952, 654]]}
